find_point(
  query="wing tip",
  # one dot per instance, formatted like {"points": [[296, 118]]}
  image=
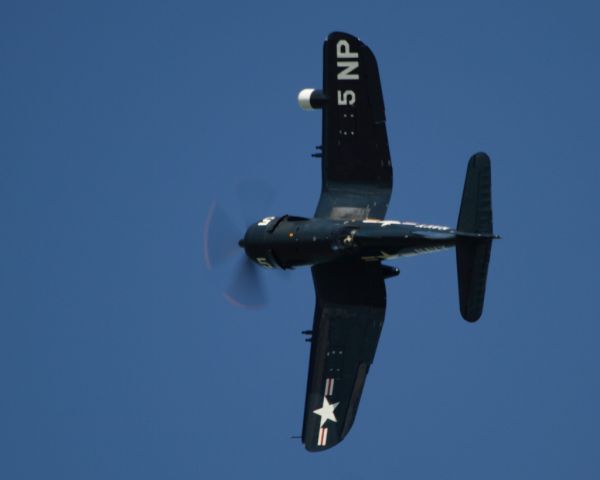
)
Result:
{"points": [[323, 442], [338, 34]]}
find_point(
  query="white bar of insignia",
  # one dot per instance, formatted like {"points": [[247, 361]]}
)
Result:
{"points": [[322, 437], [329, 386]]}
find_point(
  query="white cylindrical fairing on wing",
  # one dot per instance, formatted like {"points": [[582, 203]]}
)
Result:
{"points": [[304, 99], [311, 99]]}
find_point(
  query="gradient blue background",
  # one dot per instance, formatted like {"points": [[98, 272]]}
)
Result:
{"points": [[120, 122]]}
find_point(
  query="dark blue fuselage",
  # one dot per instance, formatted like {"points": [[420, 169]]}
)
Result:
{"points": [[288, 242]]}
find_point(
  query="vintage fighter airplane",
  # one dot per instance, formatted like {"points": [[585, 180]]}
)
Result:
{"points": [[348, 238]]}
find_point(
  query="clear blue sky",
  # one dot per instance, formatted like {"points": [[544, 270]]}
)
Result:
{"points": [[121, 121]]}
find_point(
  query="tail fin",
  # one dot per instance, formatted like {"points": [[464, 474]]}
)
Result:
{"points": [[474, 237]]}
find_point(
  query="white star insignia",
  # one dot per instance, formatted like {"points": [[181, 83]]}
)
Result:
{"points": [[326, 411]]}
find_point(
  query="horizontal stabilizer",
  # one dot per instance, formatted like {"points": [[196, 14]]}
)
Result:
{"points": [[472, 259], [475, 234], [476, 206]]}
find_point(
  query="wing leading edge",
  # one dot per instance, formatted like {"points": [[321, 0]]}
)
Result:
{"points": [[356, 167], [349, 314]]}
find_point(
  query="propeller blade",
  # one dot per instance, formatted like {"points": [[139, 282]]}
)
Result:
{"points": [[221, 237], [247, 289]]}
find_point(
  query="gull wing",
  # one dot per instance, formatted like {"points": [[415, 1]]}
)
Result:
{"points": [[356, 166], [349, 314]]}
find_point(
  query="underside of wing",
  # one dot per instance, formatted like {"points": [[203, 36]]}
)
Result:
{"points": [[356, 168], [349, 314]]}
